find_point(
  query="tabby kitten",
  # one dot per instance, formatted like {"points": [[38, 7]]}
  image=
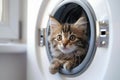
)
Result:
{"points": [[68, 43]]}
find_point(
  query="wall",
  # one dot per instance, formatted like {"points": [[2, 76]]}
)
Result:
{"points": [[12, 67]]}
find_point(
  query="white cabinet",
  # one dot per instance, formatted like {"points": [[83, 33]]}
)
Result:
{"points": [[9, 20]]}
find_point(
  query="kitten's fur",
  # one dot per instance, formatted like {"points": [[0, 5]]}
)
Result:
{"points": [[68, 43]]}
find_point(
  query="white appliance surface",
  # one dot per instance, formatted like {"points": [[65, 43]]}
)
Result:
{"points": [[105, 65]]}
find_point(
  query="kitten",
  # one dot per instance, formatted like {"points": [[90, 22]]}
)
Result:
{"points": [[68, 43]]}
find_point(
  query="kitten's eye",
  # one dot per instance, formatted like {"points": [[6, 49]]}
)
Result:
{"points": [[72, 37], [59, 37]]}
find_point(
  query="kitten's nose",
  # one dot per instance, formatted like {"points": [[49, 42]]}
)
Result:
{"points": [[64, 44]]}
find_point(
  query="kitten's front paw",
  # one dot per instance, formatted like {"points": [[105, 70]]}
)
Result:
{"points": [[53, 69], [67, 66]]}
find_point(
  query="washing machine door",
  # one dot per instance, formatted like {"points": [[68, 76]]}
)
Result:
{"points": [[69, 12], [96, 60]]}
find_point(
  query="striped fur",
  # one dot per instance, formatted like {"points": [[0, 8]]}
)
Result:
{"points": [[68, 44]]}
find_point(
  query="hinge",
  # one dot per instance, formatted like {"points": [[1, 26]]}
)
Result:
{"points": [[42, 37], [102, 33]]}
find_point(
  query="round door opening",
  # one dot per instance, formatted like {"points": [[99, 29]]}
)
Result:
{"points": [[70, 38]]}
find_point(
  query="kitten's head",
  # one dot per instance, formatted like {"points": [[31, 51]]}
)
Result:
{"points": [[68, 37]]}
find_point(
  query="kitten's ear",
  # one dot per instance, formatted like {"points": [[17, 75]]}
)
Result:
{"points": [[54, 24], [81, 23]]}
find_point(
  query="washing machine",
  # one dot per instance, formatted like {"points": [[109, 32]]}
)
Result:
{"points": [[102, 57]]}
